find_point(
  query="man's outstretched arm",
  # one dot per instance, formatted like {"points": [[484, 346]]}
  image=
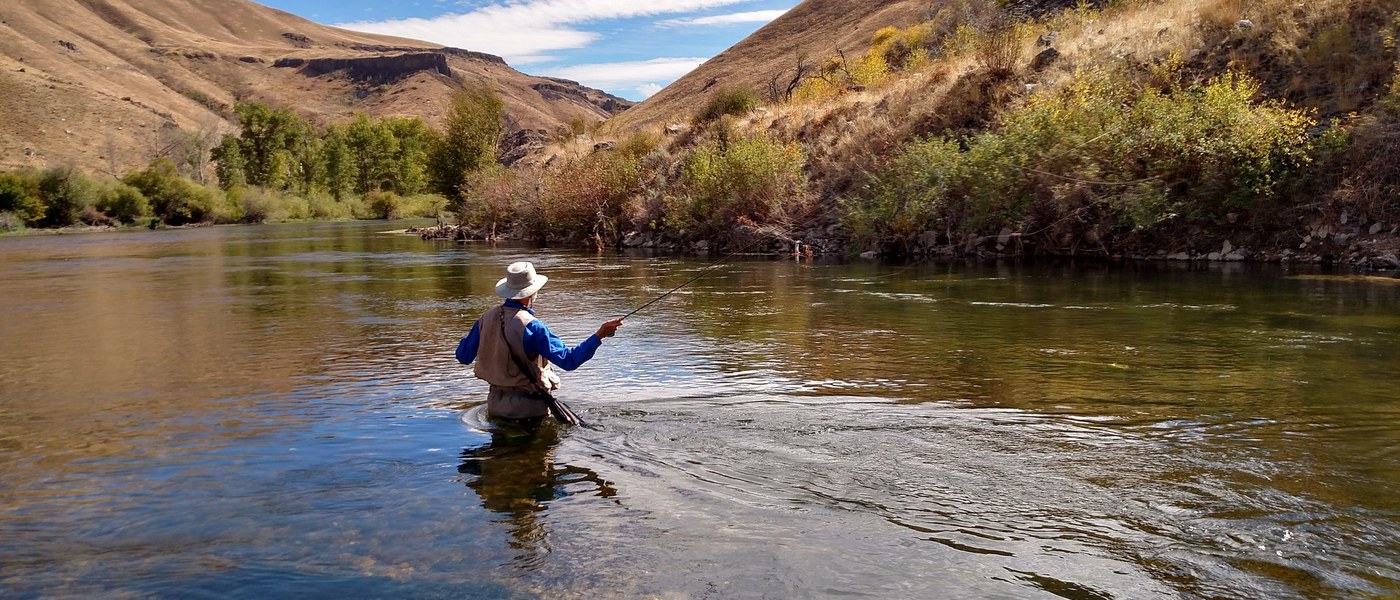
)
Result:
{"points": [[540, 340], [466, 349]]}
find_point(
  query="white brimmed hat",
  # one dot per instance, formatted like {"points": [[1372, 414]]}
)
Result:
{"points": [[521, 281]]}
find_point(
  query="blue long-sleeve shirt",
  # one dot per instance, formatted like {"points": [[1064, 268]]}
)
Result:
{"points": [[538, 340]]}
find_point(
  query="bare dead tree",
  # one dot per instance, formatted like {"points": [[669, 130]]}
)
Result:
{"points": [[204, 140], [836, 72], [189, 149], [778, 91]]}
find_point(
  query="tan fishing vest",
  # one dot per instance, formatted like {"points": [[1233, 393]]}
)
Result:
{"points": [[493, 362]]}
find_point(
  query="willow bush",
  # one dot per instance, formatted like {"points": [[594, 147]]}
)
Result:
{"points": [[384, 204], [593, 193], [487, 199], [65, 192], [913, 193], [20, 198], [756, 177], [60, 197], [177, 200], [1115, 156], [121, 202]]}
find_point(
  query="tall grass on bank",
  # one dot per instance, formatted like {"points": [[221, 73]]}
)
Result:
{"points": [[1100, 156]]}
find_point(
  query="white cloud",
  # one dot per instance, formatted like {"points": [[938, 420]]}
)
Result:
{"points": [[521, 31], [641, 75], [757, 16]]}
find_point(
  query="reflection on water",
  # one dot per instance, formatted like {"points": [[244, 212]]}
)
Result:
{"points": [[516, 476], [276, 411]]}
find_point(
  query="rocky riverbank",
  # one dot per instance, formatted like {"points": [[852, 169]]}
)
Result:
{"points": [[1342, 241], [1374, 246]]}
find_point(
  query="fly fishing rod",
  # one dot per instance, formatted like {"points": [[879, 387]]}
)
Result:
{"points": [[703, 272], [712, 267]]}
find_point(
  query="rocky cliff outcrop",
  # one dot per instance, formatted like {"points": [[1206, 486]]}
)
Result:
{"points": [[555, 88], [372, 69]]}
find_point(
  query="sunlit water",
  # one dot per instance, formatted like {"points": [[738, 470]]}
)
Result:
{"points": [[275, 411]]}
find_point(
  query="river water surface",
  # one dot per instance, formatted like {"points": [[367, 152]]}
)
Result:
{"points": [[245, 412]]}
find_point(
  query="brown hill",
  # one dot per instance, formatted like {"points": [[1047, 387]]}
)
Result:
{"points": [[813, 30], [106, 85]]}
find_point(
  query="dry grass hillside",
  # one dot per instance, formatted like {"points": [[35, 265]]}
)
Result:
{"points": [[811, 31], [1330, 56], [1184, 129], [106, 85]]}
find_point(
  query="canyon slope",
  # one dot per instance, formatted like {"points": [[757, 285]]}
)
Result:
{"points": [[107, 85], [812, 31]]}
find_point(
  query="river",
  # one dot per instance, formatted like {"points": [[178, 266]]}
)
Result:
{"points": [[274, 411]]}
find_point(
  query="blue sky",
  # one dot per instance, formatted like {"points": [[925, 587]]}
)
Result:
{"points": [[631, 48]]}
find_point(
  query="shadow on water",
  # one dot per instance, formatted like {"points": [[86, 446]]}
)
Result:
{"points": [[516, 477]]}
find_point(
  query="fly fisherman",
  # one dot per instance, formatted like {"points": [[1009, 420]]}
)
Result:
{"points": [[513, 351]]}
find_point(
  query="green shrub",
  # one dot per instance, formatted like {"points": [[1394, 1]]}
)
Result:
{"points": [[66, 192], [384, 205], [913, 192], [122, 202], [207, 204], [174, 199], [293, 208], [753, 177], [638, 144], [19, 196], [1233, 152], [729, 101], [252, 205], [647, 208]]}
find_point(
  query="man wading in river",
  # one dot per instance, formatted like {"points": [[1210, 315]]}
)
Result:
{"points": [[513, 350]]}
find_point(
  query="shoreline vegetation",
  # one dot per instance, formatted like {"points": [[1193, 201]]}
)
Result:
{"points": [[1183, 130]]}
